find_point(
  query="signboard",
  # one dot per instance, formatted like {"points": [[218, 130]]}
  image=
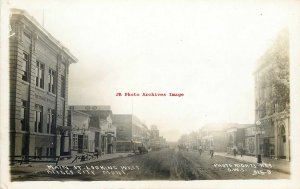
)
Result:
{"points": [[89, 107]]}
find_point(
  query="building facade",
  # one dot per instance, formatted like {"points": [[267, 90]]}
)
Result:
{"points": [[39, 70], [154, 138], [85, 139], [250, 140], [235, 138], [131, 132], [214, 135], [101, 127], [272, 100]]}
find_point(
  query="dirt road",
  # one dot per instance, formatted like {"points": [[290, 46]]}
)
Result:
{"points": [[166, 164]]}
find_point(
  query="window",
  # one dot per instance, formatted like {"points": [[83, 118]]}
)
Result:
{"points": [[51, 81], [273, 107], [63, 86], [50, 152], [25, 64], [38, 118], [75, 142], [27, 35], [25, 144], [283, 139], [39, 81], [97, 134], [24, 116], [51, 121], [262, 111]]}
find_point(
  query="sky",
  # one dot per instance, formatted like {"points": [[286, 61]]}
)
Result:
{"points": [[205, 50]]}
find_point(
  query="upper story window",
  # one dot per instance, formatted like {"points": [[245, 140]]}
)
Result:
{"points": [[24, 116], [63, 86], [25, 64], [40, 69], [51, 81], [38, 118], [27, 35]]}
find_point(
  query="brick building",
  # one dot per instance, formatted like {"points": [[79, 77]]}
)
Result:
{"points": [[39, 69], [131, 132]]}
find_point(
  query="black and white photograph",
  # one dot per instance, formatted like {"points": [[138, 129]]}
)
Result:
{"points": [[151, 91]]}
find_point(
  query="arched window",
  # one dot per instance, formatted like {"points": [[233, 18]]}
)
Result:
{"points": [[282, 133]]}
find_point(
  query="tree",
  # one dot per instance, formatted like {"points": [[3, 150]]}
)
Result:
{"points": [[277, 76]]}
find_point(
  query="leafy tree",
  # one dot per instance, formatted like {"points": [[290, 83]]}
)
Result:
{"points": [[277, 76]]}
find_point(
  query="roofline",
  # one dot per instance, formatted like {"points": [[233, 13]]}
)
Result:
{"points": [[83, 113], [44, 31]]}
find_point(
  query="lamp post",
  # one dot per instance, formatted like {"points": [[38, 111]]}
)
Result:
{"points": [[258, 129]]}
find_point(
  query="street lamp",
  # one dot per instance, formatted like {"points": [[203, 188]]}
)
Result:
{"points": [[258, 124]]}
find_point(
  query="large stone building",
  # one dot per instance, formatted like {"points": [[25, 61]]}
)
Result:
{"points": [[39, 70], [272, 99], [100, 128]]}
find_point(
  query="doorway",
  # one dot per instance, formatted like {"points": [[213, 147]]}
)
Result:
{"points": [[80, 143], [282, 142]]}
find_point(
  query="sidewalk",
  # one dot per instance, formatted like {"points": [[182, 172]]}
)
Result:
{"points": [[278, 165], [68, 162], [18, 170]]}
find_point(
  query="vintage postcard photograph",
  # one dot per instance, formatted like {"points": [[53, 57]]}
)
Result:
{"points": [[198, 93]]}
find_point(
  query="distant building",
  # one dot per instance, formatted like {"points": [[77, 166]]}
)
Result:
{"points": [[100, 127], [163, 142], [250, 140], [272, 99], [214, 135], [154, 133], [236, 138], [131, 132], [223, 136], [146, 135], [39, 70], [154, 137]]}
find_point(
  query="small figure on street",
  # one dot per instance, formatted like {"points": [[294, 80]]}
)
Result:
{"points": [[234, 151], [211, 151], [242, 151], [200, 149], [100, 151], [97, 152]]}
